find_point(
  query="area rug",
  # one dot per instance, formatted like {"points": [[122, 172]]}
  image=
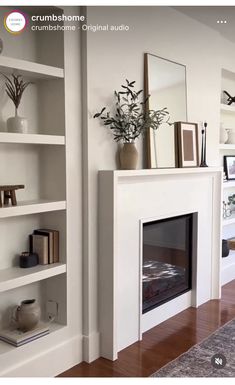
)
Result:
{"points": [[197, 361]]}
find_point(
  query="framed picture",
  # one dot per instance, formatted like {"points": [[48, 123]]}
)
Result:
{"points": [[229, 166], [186, 144]]}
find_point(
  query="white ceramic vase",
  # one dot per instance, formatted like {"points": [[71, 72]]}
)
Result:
{"points": [[223, 134], [17, 124], [231, 137]]}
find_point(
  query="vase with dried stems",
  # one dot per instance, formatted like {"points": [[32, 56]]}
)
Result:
{"points": [[15, 87], [130, 120]]}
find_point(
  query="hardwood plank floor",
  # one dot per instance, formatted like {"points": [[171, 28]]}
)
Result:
{"points": [[164, 342]]}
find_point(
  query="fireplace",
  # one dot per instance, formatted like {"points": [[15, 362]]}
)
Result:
{"points": [[167, 260]]}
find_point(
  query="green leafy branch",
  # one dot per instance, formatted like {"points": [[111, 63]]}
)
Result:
{"points": [[131, 119]]}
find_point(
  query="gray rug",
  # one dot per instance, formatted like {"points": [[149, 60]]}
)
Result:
{"points": [[197, 361]]}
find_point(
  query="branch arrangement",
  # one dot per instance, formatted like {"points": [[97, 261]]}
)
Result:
{"points": [[130, 119], [15, 88]]}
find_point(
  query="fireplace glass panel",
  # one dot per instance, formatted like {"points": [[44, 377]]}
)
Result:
{"points": [[167, 260]]}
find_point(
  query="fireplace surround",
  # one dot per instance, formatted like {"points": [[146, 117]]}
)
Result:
{"points": [[128, 200]]}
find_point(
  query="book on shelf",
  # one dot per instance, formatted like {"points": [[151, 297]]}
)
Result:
{"points": [[53, 243], [18, 338], [39, 244]]}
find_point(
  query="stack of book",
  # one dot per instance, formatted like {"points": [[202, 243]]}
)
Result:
{"points": [[45, 243], [17, 338]]}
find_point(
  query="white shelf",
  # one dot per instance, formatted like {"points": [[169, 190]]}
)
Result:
{"points": [[228, 184], [226, 108], [15, 276], [6, 348], [8, 137], [29, 69], [31, 207], [224, 146], [228, 221]]}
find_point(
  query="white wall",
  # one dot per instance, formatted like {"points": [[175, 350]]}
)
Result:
{"points": [[114, 56]]}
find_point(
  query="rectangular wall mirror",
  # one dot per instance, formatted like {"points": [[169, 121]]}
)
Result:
{"points": [[165, 82]]}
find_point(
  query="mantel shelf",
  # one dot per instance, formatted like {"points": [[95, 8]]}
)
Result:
{"points": [[31, 207], [30, 69], [162, 171], [14, 277], [8, 137]]}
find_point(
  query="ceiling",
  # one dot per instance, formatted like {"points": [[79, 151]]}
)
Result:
{"points": [[209, 15]]}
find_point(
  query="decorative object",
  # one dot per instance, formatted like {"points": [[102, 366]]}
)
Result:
{"points": [[186, 144], [230, 99], [223, 134], [227, 212], [128, 156], [17, 338], [28, 259], [15, 87], [1, 45], [27, 315], [39, 244], [231, 136], [225, 248], [229, 166], [53, 243], [130, 120], [9, 194], [196, 362], [231, 199], [203, 149], [165, 81], [231, 243]]}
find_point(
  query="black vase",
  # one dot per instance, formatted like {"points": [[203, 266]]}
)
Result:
{"points": [[225, 248]]}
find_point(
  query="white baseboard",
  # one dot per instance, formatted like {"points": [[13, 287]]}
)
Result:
{"points": [[50, 363], [228, 274], [91, 347]]}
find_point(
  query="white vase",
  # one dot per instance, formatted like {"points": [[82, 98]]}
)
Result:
{"points": [[17, 124], [231, 137], [223, 134]]}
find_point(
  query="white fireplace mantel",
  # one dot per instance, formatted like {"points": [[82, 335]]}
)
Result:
{"points": [[126, 200]]}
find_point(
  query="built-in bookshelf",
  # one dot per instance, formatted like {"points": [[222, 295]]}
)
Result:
{"points": [[227, 118], [41, 161]]}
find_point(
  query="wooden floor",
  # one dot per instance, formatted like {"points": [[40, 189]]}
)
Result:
{"points": [[165, 342]]}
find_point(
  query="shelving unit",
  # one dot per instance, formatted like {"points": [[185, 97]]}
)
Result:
{"points": [[227, 115], [46, 161], [37, 159]]}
